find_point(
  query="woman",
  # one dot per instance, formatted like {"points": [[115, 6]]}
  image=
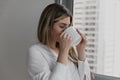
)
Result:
{"points": [[53, 58]]}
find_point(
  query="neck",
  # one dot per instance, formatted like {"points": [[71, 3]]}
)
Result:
{"points": [[53, 46]]}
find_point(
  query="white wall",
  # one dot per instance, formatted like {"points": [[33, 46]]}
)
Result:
{"points": [[18, 24]]}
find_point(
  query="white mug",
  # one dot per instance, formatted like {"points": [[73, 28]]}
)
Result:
{"points": [[74, 34]]}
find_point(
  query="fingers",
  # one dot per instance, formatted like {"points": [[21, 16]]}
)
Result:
{"points": [[65, 41], [61, 35], [82, 35], [65, 36]]}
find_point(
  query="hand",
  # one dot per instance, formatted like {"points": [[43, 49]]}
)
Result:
{"points": [[65, 41], [83, 42], [81, 47], [92, 74]]}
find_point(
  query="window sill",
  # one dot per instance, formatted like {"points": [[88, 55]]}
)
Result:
{"points": [[104, 77]]}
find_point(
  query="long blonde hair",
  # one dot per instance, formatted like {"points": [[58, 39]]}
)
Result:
{"points": [[50, 15]]}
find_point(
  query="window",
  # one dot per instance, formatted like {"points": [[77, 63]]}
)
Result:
{"points": [[99, 21]]}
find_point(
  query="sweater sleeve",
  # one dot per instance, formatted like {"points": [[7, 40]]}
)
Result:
{"points": [[38, 67], [84, 70]]}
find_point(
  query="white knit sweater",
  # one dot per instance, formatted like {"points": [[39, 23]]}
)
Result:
{"points": [[43, 65]]}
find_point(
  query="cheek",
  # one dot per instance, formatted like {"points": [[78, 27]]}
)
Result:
{"points": [[56, 33]]}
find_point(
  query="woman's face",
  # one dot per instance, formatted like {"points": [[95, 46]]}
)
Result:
{"points": [[59, 27]]}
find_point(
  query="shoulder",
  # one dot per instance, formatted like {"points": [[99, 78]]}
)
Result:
{"points": [[36, 50], [41, 51], [36, 53], [36, 60], [34, 47], [37, 47]]}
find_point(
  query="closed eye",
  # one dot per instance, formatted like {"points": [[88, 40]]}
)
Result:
{"points": [[63, 25]]}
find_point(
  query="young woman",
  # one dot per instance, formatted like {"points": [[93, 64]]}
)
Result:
{"points": [[53, 58]]}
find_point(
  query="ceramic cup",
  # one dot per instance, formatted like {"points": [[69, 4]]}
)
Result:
{"points": [[74, 34]]}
